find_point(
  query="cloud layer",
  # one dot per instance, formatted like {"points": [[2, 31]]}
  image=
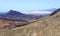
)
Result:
{"points": [[37, 12]]}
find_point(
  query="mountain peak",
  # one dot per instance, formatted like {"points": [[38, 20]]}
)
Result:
{"points": [[13, 12]]}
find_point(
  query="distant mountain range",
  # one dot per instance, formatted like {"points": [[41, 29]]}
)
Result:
{"points": [[15, 15], [51, 10]]}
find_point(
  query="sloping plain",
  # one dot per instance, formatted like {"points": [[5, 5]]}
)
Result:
{"points": [[46, 26]]}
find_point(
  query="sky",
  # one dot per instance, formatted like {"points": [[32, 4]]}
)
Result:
{"points": [[28, 5]]}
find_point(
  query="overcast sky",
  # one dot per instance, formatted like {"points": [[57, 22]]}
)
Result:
{"points": [[28, 5]]}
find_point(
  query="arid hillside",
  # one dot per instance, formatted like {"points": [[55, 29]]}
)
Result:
{"points": [[46, 26]]}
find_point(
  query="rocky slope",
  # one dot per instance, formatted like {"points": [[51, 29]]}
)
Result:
{"points": [[47, 26]]}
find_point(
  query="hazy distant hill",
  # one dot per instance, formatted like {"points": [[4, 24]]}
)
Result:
{"points": [[51, 10], [14, 15]]}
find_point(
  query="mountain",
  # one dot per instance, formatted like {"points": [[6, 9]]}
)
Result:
{"points": [[38, 12], [17, 15], [46, 26], [13, 14]]}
